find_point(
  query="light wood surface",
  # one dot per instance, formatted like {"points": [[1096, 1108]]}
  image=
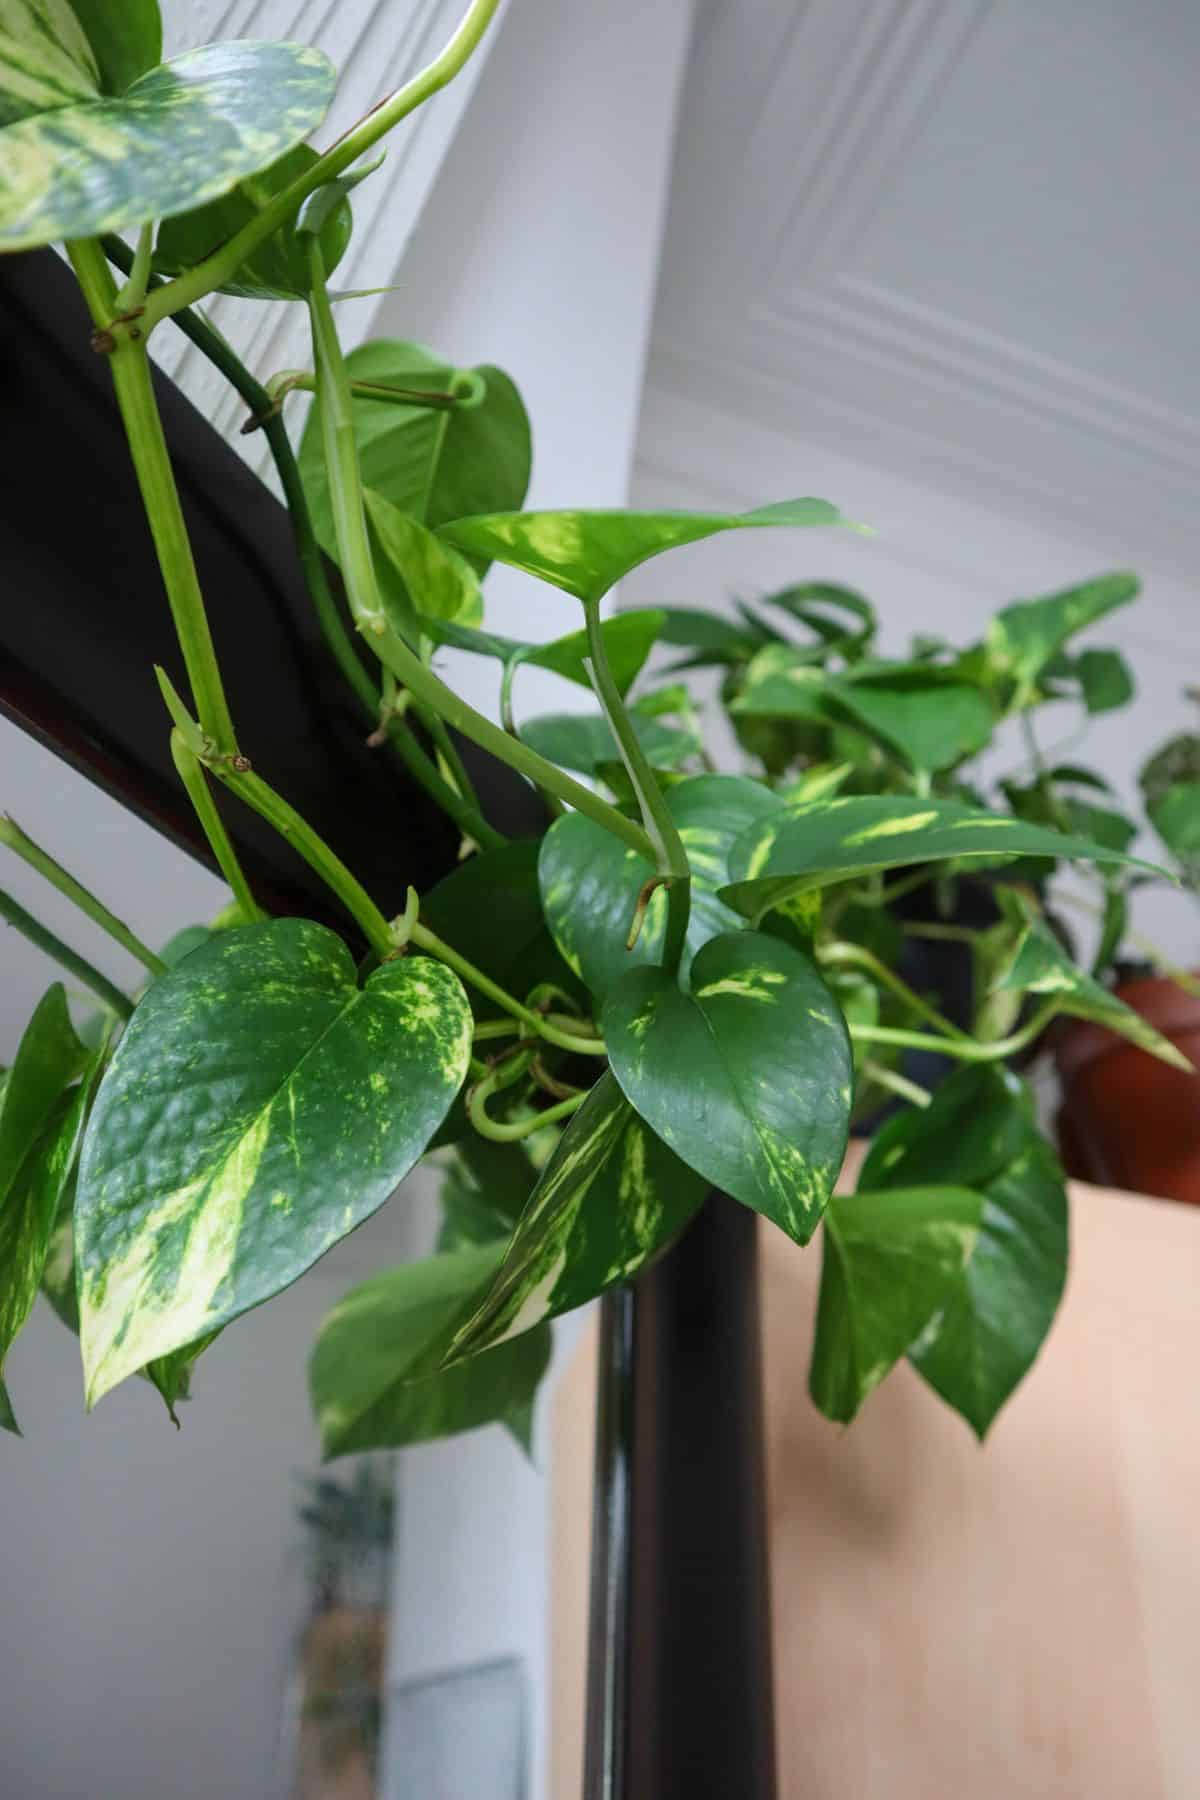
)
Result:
{"points": [[1022, 1619], [958, 1623]]}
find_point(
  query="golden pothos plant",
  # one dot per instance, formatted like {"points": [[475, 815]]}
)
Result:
{"points": [[662, 995]]}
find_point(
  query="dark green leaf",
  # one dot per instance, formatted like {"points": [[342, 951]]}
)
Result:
{"points": [[816, 846], [888, 1262], [590, 881], [587, 553], [1022, 638], [610, 1198], [373, 1374], [184, 133], [259, 1106], [748, 1078], [490, 910], [817, 604], [46, 61], [582, 741], [279, 268], [30, 1208], [432, 464], [49, 1058], [483, 1192], [8, 1418], [980, 1131], [125, 36], [1040, 965], [1105, 680], [1177, 761], [628, 640]]}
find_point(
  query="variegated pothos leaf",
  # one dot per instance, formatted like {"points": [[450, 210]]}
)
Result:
{"points": [[260, 1106], [611, 1197], [181, 135], [748, 1077], [46, 60]]}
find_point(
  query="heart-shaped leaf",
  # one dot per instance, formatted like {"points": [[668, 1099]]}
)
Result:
{"points": [[888, 1262], [432, 464], [583, 741], [1039, 965], [628, 640], [125, 36], [259, 1106], [277, 269], [812, 847], [748, 1078], [980, 1132], [183, 134], [590, 882], [46, 60], [588, 552], [373, 1375], [611, 1197], [1105, 680]]}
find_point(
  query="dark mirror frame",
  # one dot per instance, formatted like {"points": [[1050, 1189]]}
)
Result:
{"points": [[679, 1677]]}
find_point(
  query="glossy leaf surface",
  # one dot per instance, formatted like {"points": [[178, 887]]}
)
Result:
{"points": [[1040, 965], [748, 1078], [628, 640], [815, 846], [611, 1197], [432, 464], [279, 268], [980, 1132], [183, 134], [374, 1374], [888, 1261], [586, 553], [259, 1106], [590, 881]]}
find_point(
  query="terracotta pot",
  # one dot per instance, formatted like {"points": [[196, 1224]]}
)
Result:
{"points": [[1126, 1119]]}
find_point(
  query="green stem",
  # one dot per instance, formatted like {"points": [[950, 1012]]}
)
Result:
{"points": [[333, 872], [133, 294], [15, 914], [212, 345], [19, 841], [521, 1128], [191, 773], [671, 857], [536, 1022], [303, 381], [220, 267], [152, 466], [366, 605], [854, 956], [968, 1051], [895, 1083]]}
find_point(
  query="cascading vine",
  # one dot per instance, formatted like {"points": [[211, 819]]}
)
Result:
{"points": [[692, 980]]}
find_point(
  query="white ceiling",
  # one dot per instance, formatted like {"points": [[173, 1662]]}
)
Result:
{"points": [[955, 237]]}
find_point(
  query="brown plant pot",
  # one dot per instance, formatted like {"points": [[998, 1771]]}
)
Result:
{"points": [[1126, 1119]]}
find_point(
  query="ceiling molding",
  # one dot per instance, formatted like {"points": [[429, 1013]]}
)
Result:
{"points": [[782, 325]]}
